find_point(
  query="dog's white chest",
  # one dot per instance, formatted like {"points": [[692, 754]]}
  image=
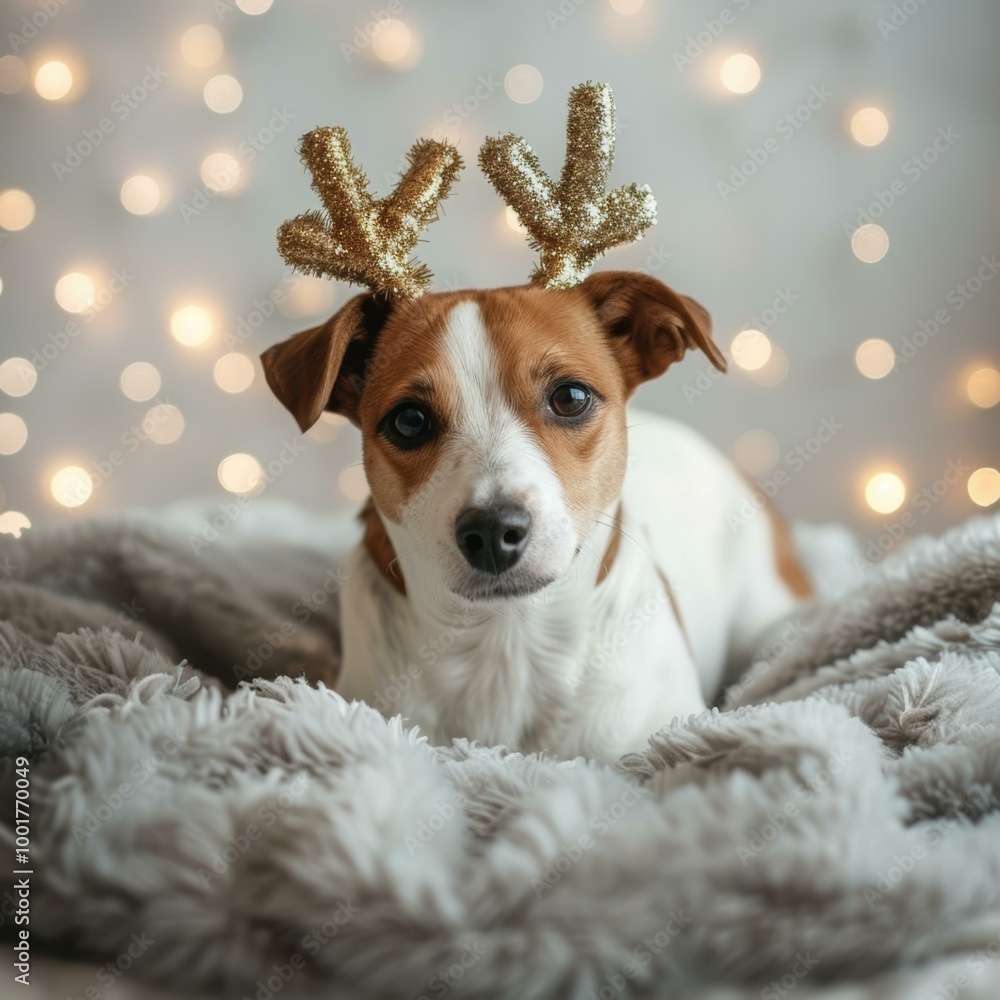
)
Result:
{"points": [[574, 670]]}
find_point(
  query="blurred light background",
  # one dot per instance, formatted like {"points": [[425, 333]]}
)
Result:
{"points": [[826, 175]]}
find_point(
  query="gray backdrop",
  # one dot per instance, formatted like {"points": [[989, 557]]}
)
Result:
{"points": [[755, 210]]}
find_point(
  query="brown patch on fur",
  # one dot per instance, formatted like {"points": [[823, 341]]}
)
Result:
{"points": [[648, 324], [408, 363], [379, 546], [612, 550], [541, 338], [785, 558], [791, 571], [672, 597]]}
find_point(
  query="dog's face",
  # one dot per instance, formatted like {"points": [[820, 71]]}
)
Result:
{"points": [[493, 422]]}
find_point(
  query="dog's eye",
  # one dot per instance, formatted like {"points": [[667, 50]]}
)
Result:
{"points": [[570, 399], [407, 425]]}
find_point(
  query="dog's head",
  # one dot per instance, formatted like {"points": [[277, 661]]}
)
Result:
{"points": [[493, 422]]}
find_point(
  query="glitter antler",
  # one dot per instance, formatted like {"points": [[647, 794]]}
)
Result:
{"points": [[576, 221], [361, 239]]}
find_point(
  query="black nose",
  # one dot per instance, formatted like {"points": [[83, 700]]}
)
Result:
{"points": [[493, 538]]}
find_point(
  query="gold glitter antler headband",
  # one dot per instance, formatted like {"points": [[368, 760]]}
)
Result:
{"points": [[576, 221], [361, 239]]}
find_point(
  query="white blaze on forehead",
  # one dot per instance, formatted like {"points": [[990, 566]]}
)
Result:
{"points": [[497, 455], [489, 454]]}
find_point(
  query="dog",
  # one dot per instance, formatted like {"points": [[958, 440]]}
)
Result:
{"points": [[539, 567]]}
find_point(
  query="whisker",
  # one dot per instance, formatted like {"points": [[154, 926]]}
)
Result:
{"points": [[623, 533]]}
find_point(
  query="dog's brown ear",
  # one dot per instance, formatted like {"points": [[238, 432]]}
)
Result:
{"points": [[324, 368], [650, 326]]}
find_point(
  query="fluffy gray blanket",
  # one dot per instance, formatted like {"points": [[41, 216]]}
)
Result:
{"points": [[838, 819]]}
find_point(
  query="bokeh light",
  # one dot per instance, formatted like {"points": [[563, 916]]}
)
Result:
{"points": [[627, 7], [13, 433], [308, 296], [254, 6], [233, 372], [740, 73], [140, 381], [17, 209], [17, 376], [72, 486], [870, 243], [523, 84], [326, 428], [13, 74], [751, 349], [875, 358], [163, 423], [513, 220], [240, 473], [391, 40], [773, 371], [869, 126], [53, 80], [756, 452], [223, 94], [885, 492], [191, 325], [222, 172], [75, 292], [983, 387], [984, 487], [201, 45], [353, 483], [13, 522], [140, 194]]}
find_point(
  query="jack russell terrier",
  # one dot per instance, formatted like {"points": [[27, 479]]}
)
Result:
{"points": [[540, 567]]}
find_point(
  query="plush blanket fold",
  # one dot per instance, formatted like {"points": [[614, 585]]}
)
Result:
{"points": [[837, 819]]}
